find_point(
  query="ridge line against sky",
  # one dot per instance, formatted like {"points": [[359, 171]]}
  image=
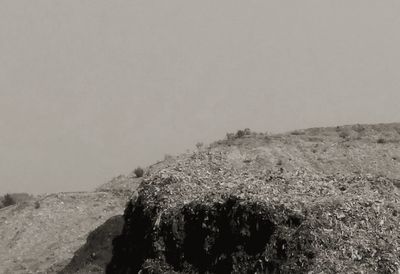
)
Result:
{"points": [[92, 89]]}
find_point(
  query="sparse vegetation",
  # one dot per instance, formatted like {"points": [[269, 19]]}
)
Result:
{"points": [[240, 134], [138, 172], [8, 200]]}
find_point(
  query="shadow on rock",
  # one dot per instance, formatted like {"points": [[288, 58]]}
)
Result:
{"points": [[97, 251]]}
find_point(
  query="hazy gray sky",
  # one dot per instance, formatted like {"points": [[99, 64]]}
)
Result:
{"points": [[91, 89]]}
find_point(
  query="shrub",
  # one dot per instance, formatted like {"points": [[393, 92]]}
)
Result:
{"points": [[37, 204], [240, 133], [139, 172], [8, 200], [381, 141]]}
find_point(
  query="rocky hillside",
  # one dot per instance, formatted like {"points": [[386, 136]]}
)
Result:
{"points": [[322, 200], [41, 234]]}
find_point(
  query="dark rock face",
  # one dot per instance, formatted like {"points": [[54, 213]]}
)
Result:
{"points": [[211, 238], [273, 225], [232, 236], [135, 242]]}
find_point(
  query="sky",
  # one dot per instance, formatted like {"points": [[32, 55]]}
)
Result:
{"points": [[92, 89]]}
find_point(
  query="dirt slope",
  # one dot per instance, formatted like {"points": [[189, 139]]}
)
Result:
{"points": [[96, 253], [312, 201], [41, 236]]}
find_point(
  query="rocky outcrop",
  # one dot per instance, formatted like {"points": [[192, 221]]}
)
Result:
{"points": [[206, 214], [285, 203]]}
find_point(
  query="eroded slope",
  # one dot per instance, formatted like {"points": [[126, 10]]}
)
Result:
{"points": [[41, 235]]}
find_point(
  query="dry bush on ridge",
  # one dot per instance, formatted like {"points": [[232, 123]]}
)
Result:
{"points": [[139, 172], [8, 200]]}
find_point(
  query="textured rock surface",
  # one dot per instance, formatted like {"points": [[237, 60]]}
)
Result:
{"points": [[234, 207]]}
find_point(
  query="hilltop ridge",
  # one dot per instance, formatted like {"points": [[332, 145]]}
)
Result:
{"points": [[320, 200]]}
